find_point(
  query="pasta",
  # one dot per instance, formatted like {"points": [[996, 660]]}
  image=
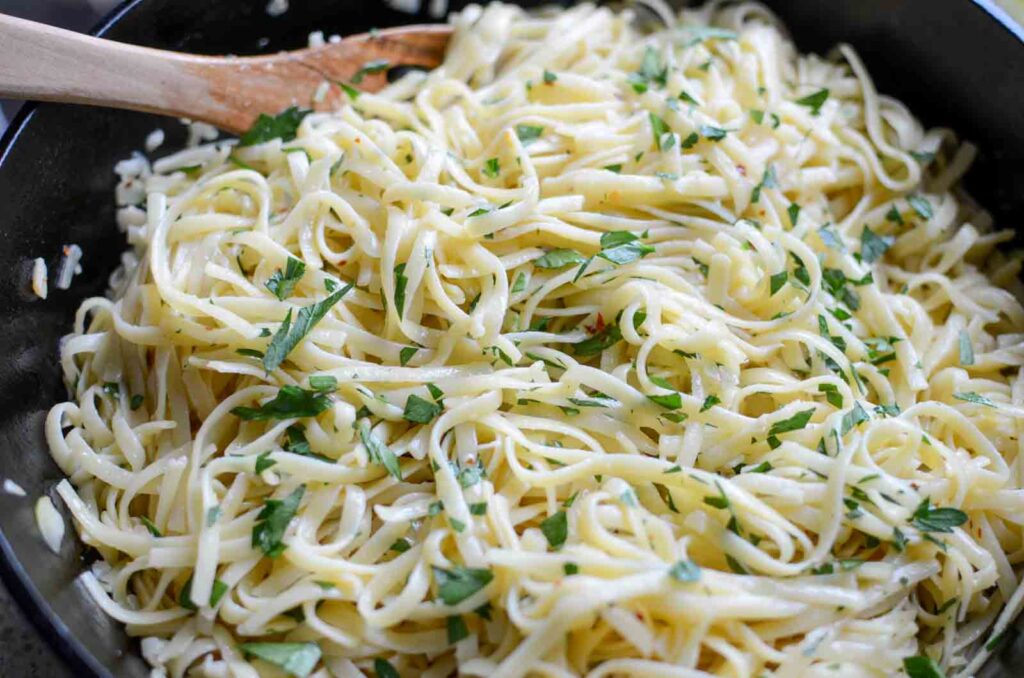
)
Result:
{"points": [[614, 346]]}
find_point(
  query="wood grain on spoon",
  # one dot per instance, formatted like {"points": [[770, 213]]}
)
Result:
{"points": [[50, 64]]}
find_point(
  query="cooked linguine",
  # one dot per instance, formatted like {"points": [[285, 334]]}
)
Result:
{"points": [[603, 349]]}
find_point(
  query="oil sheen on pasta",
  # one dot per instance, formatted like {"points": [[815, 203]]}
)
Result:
{"points": [[668, 351]]}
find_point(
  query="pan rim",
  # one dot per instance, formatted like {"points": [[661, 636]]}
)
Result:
{"points": [[44, 619]]}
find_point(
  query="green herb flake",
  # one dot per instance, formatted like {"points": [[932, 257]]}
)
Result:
{"points": [[400, 283], [933, 519], [712, 133], [384, 669], [921, 206], [794, 213], [559, 258], [853, 418], [288, 336], [966, 348], [922, 667], [528, 133], [873, 246], [272, 521], [290, 401], [519, 284], [795, 423], [459, 583], [814, 101], [777, 281], [150, 526], [369, 68], [282, 126], [297, 659], [685, 571], [323, 383], [971, 397], [492, 168], [420, 411], [406, 354], [378, 451], [555, 529]]}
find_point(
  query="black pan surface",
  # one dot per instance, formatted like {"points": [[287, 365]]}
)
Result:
{"points": [[956, 63]]}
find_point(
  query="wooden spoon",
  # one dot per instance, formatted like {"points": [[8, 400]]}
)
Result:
{"points": [[51, 64]]}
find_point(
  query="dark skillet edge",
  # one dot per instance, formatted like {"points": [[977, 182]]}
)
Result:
{"points": [[18, 581], [1001, 16]]}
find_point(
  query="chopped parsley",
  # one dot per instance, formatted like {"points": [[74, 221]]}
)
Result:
{"points": [[290, 401], [459, 583], [933, 519], [559, 258], [282, 126], [288, 336], [369, 68], [298, 659], [814, 101], [272, 521], [378, 451], [555, 529]]}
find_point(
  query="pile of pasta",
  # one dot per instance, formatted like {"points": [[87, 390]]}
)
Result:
{"points": [[621, 344]]}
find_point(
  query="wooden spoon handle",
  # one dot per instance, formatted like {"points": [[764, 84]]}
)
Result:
{"points": [[51, 64]]}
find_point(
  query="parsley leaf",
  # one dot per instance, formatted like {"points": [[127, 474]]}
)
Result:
{"points": [[272, 521], [873, 246], [794, 423], [282, 284], [378, 451], [622, 247], [922, 667], [400, 283], [794, 213], [778, 280], [406, 354], [685, 571], [492, 168], [555, 529], [384, 669], [769, 180], [519, 284], [284, 125], [712, 133], [921, 206], [814, 101], [528, 133], [660, 130], [857, 415], [288, 336], [457, 629], [604, 339], [369, 68], [459, 583], [966, 349], [559, 258], [972, 397], [831, 238], [420, 411], [324, 383], [290, 401], [929, 519], [298, 659]]}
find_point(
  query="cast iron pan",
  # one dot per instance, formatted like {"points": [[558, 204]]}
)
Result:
{"points": [[956, 62]]}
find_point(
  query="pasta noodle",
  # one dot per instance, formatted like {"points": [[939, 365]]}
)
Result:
{"points": [[604, 349]]}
